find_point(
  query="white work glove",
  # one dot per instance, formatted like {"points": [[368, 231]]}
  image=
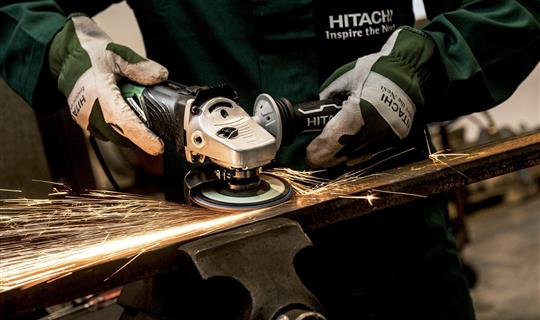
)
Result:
{"points": [[385, 90], [88, 66]]}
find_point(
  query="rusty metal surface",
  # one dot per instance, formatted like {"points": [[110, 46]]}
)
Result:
{"points": [[422, 178], [427, 178]]}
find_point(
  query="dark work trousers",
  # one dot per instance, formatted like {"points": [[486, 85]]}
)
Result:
{"points": [[400, 263]]}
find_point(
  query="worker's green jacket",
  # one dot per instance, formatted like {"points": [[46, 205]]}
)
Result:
{"points": [[287, 48]]}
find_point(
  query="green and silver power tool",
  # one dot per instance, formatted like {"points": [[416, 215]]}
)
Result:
{"points": [[207, 125]]}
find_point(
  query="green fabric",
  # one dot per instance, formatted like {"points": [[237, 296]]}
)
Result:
{"points": [[338, 73], [131, 89], [68, 61], [126, 53], [90, 8], [243, 48], [486, 48], [67, 58], [401, 263], [408, 63], [256, 47], [26, 29]]}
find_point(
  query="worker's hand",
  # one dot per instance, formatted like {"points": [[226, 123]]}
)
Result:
{"points": [[88, 65], [385, 89]]}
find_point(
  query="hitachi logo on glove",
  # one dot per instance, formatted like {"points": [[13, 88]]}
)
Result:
{"points": [[396, 104], [391, 102], [78, 102]]}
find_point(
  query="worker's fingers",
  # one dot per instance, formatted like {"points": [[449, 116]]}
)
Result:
{"points": [[322, 152], [339, 84], [348, 78], [121, 117], [136, 68], [372, 138]]}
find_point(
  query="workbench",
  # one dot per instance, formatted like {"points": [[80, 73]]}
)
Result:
{"points": [[399, 185]]}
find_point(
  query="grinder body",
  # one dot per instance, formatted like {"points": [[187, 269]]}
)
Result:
{"points": [[203, 123], [207, 125]]}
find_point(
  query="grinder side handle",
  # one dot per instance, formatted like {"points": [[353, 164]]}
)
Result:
{"points": [[312, 116], [285, 121]]}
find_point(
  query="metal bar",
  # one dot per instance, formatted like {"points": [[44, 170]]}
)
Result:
{"points": [[423, 178], [426, 178]]}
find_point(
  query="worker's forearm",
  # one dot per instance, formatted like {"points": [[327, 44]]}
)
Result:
{"points": [[26, 28], [89, 8], [486, 48]]}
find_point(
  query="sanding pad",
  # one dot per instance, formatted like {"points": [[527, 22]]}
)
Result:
{"points": [[217, 196]]}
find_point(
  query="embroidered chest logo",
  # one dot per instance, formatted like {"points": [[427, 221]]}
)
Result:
{"points": [[358, 25]]}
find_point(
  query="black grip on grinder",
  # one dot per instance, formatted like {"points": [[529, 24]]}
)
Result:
{"points": [[162, 107], [309, 116]]}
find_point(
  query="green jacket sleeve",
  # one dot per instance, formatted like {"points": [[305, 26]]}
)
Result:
{"points": [[26, 29], [89, 8], [486, 49]]}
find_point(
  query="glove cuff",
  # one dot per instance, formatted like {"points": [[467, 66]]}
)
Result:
{"points": [[406, 60], [66, 44]]}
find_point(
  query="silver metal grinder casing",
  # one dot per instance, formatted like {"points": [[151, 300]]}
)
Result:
{"points": [[223, 132]]}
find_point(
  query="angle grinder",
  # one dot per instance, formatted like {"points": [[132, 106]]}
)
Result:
{"points": [[208, 127]]}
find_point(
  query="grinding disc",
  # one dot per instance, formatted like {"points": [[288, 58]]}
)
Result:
{"points": [[271, 191]]}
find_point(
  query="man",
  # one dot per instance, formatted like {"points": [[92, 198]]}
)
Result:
{"points": [[470, 57]]}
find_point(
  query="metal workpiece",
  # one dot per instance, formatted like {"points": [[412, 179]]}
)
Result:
{"points": [[159, 254], [436, 175], [246, 273]]}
